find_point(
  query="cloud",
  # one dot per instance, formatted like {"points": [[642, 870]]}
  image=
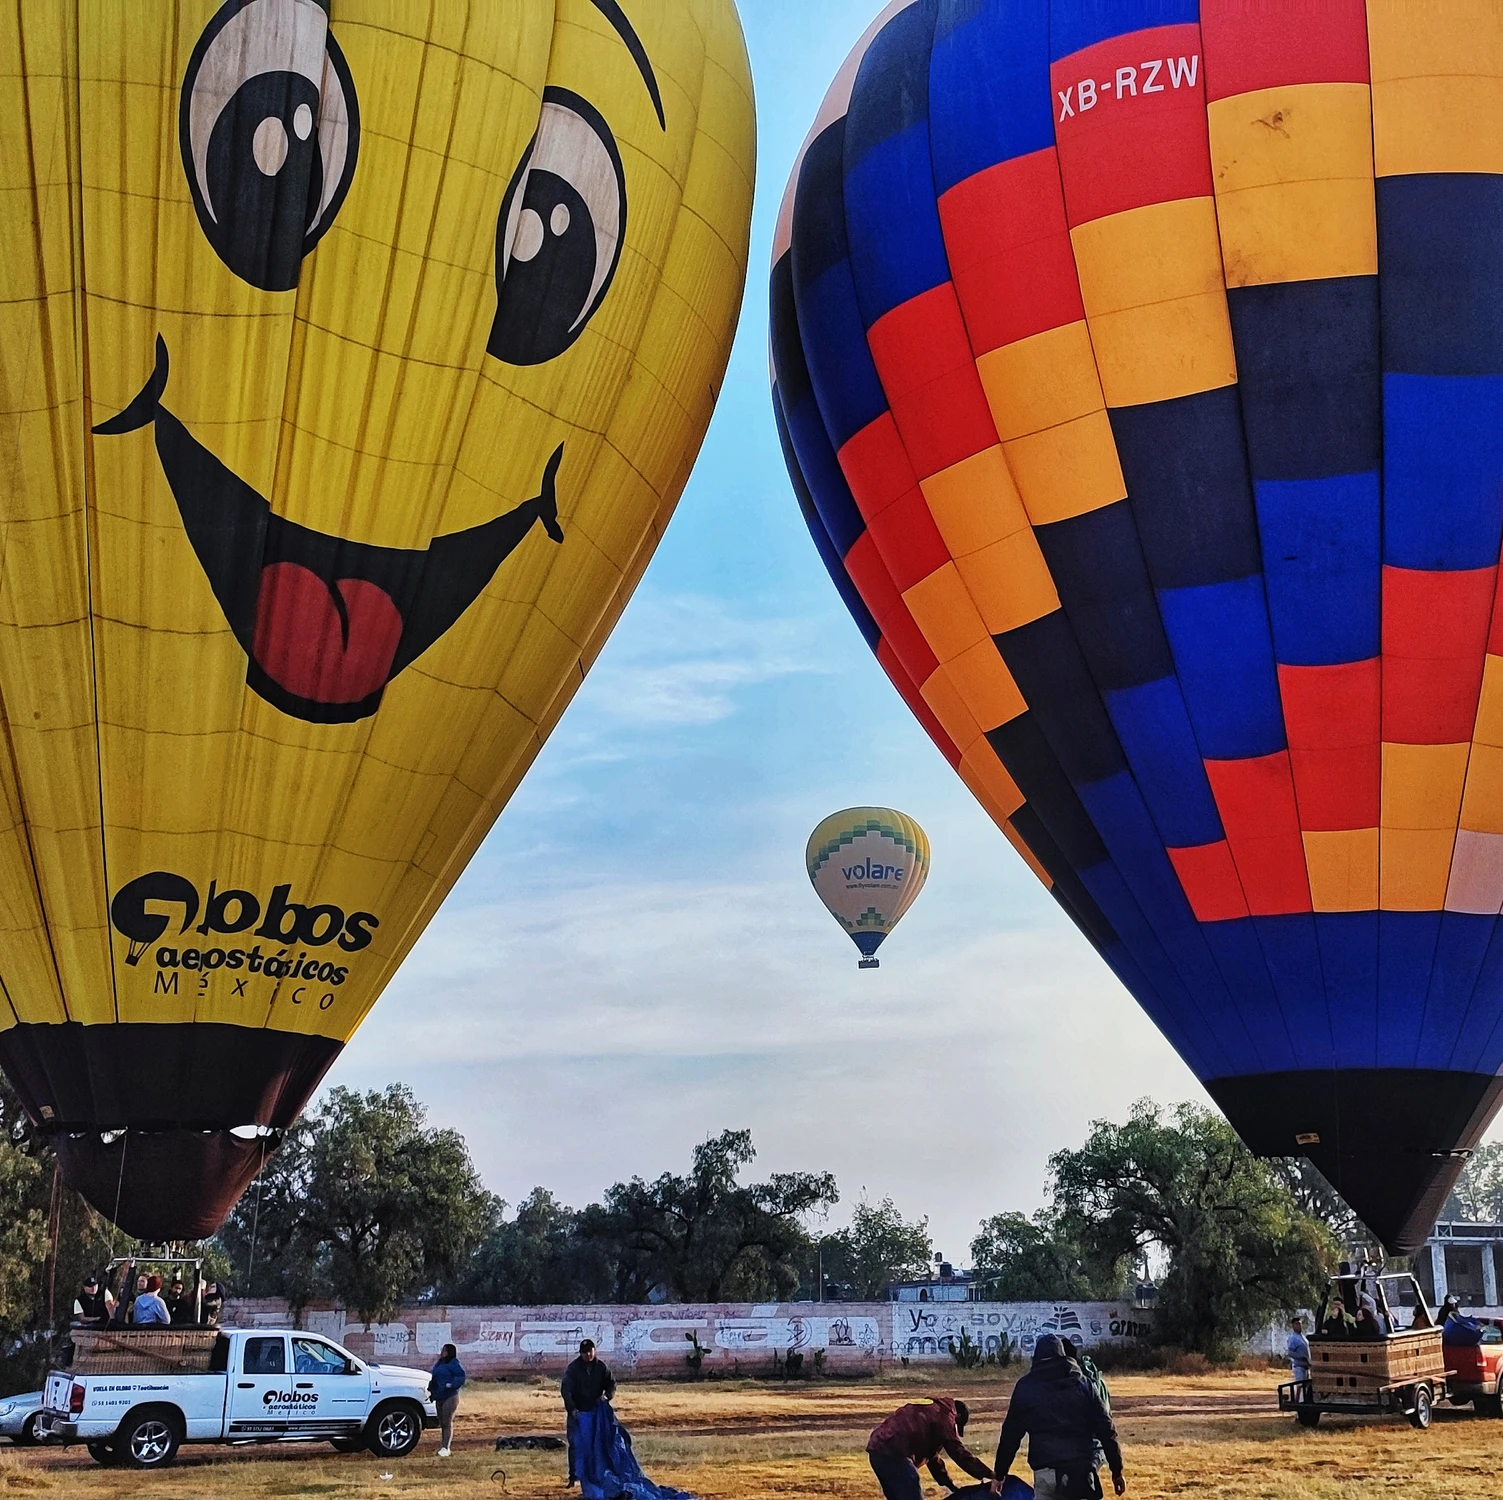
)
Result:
{"points": [[686, 656]]}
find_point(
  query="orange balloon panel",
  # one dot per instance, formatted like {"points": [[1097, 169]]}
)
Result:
{"points": [[353, 357]]}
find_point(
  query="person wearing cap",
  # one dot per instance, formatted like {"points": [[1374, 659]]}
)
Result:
{"points": [[93, 1305], [586, 1383], [919, 1434], [1054, 1406]]}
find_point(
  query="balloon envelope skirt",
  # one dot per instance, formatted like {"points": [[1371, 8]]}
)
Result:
{"points": [[1140, 372]]}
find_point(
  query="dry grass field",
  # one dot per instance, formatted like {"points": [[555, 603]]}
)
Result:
{"points": [[1211, 1435]]}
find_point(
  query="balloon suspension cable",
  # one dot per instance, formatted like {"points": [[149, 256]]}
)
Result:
{"points": [[250, 1269], [54, 1234], [119, 1190]]}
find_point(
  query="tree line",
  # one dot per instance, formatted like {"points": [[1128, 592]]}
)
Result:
{"points": [[368, 1204]]}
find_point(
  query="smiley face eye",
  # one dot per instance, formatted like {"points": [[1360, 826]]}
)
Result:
{"points": [[270, 131], [559, 238]]}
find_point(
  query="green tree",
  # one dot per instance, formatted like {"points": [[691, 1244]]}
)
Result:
{"points": [[23, 1237], [706, 1237], [365, 1202], [266, 1238], [1477, 1197], [1240, 1248], [538, 1257], [1034, 1260], [880, 1246]]}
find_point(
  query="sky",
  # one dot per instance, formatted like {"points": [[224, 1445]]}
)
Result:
{"points": [[635, 959]]}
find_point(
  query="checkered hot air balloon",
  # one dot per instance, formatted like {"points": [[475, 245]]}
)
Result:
{"points": [[1140, 372]]}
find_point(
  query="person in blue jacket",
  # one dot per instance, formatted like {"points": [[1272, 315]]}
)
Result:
{"points": [[443, 1385]]}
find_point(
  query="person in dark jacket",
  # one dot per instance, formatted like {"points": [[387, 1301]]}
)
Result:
{"points": [[586, 1383], [213, 1304], [444, 1385], [919, 1434], [179, 1304], [1055, 1407]]}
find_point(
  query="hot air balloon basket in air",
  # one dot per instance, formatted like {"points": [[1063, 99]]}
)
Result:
{"points": [[1139, 371], [349, 377]]}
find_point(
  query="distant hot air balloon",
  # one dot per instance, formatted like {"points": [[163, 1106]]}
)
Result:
{"points": [[352, 360], [1140, 370], [868, 865]]}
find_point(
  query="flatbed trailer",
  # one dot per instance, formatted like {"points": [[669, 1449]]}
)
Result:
{"points": [[1402, 1373]]}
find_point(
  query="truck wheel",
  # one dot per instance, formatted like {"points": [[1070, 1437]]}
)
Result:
{"points": [[103, 1453], [394, 1430], [1307, 1416], [1488, 1406], [1420, 1416], [149, 1439]]}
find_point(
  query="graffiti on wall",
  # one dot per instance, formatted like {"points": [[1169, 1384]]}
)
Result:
{"points": [[494, 1341], [933, 1329]]}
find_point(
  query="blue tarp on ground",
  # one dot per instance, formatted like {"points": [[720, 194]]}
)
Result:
{"points": [[1013, 1489], [604, 1463]]}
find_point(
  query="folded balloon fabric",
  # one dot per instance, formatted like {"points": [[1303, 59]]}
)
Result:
{"points": [[605, 1464], [1013, 1488]]}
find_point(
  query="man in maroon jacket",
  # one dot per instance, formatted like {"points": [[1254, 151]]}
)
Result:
{"points": [[919, 1434]]}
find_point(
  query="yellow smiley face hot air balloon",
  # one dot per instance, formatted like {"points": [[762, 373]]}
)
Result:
{"points": [[353, 355]]}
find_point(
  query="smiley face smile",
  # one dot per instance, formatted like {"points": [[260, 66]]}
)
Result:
{"points": [[325, 623]]}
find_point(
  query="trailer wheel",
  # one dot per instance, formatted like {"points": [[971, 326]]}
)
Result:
{"points": [[1420, 1416], [103, 1453], [1488, 1406], [347, 1445], [1307, 1416]]}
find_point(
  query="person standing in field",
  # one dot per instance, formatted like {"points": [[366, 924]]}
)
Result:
{"points": [[1054, 1406], [1097, 1382], [919, 1434], [444, 1385], [1298, 1350], [586, 1383]]}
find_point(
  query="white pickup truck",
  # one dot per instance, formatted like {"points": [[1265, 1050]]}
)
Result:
{"points": [[135, 1396]]}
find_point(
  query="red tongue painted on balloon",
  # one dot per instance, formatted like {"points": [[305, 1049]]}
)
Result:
{"points": [[301, 642]]}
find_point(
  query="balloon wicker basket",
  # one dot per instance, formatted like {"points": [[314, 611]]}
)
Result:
{"points": [[870, 963]]}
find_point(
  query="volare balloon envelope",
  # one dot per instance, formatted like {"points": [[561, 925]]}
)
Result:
{"points": [[1140, 371], [868, 865], [352, 360]]}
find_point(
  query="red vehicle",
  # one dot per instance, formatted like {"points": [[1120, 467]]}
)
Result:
{"points": [[1475, 1372]]}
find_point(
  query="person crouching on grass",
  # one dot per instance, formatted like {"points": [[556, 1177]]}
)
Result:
{"points": [[918, 1434], [443, 1385]]}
